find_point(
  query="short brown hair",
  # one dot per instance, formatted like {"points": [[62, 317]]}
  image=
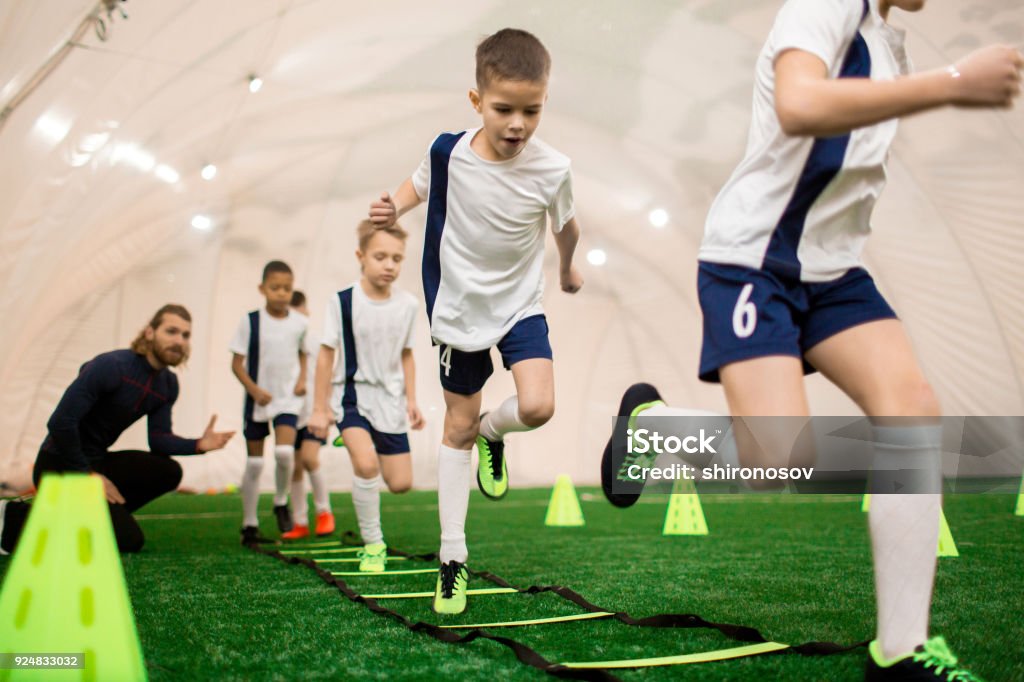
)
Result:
{"points": [[511, 54], [141, 344], [368, 228]]}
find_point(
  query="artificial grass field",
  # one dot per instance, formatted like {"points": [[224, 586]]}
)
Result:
{"points": [[796, 567]]}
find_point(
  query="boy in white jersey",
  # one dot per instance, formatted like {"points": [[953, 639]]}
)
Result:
{"points": [[490, 193], [270, 362], [783, 292], [308, 454], [373, 389]]}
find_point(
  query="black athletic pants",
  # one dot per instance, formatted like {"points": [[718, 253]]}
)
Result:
{"points": [[140, 476]]}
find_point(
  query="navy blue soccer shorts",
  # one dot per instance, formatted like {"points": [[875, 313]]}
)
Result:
{"points": [[466, 373], [752, 313]]}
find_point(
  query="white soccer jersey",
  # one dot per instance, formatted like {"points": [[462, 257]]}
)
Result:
{"points": [[797, 206], [272, 360], [484, 243], [379, 331]]}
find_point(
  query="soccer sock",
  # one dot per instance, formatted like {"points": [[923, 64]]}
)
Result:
{"points": [[285, 458], [300, 510], [251, 490], [321, 498], [366, 500], [504, 419], [453, 475], [905, 533]]}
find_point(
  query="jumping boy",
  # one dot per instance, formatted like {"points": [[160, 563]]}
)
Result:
{"points": [[783, 291], [269, 361], [374, 380], [490, 193], [308, 454]]}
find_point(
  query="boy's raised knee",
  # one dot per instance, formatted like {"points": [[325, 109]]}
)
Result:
{"points": [[536, 414]]}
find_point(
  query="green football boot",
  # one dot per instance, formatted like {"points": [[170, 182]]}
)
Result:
{"points": [[450, 592], [373, 558], [491, 471], [930, 662]]}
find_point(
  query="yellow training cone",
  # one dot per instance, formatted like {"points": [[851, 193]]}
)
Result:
{"points": [[564, 507], [65, 593], [865, 504], [1019, 511], [946, 545], [685, 515]]}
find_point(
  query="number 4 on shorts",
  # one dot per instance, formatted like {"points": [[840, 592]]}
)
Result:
{"points": [[446, 359]]}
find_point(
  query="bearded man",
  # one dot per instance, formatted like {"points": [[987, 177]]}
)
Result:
{"points": [[112, 392]]}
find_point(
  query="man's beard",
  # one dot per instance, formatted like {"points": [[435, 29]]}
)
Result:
{"points": [[167, 355]]}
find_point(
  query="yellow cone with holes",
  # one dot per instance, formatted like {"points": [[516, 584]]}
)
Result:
{"points": [[685, 514], [64, 592], [564, 507]]}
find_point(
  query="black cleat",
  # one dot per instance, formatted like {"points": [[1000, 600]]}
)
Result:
{"points": [[613, 462], [284, 517], [930, 662], [251, 536]]}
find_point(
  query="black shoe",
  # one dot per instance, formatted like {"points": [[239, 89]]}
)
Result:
{"points": [[251, 536], [625, 492], [13, 514], [284, 517], [930, 662]]}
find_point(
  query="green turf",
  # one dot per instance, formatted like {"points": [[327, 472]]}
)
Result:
{"points": [[795, 567]]}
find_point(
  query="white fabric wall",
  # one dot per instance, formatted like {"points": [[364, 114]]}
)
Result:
{"points": [[651, 101]]}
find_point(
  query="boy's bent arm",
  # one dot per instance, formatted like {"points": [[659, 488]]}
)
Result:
{"points": [[409, 375], [238, 369], [566, 240], [809, 103]]}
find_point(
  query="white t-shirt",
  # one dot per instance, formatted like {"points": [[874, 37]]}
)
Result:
{"points": [[312, 351], [281, 339], [797, 206], [484, 242], [381, 330]]}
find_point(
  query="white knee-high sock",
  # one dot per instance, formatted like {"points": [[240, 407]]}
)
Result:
{"points": [[366, 500], [321, 498], [251, 490], [300, 510], [905, 534], [453, 476], [504, 419], [284, 455]]}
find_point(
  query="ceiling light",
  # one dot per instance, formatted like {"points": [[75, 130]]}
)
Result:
{"points": [[202, 222], [658, 217], [166, 173], [255, 83], [209, 172], [597, 257]]}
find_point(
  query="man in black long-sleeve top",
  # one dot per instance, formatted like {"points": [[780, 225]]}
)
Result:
{"points": [[112, 392]]}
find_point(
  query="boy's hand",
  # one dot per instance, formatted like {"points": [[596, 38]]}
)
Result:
{"points": [[572, 280], [300, 387], [213, 440], [261, 397], [416, 420], [987, 77], [318, 423], [384, 212]]}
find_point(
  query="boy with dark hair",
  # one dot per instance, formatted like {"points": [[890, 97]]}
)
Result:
{"points": [[490, 191], [269, 360]]}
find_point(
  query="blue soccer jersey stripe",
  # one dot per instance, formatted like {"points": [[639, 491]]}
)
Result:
{"points": [[437, 213], [348, 399]]}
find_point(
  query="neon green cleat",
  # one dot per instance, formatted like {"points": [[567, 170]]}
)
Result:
{"points": [[450, 593], [339, 442], [492, 471], [373, 558], [931, 661]]}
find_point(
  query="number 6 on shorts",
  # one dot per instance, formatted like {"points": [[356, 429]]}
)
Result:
{"points": [[744, 315]]}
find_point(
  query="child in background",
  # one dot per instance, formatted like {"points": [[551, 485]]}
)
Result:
{"points": [[371, 390], [270, 362], [309, 454]]}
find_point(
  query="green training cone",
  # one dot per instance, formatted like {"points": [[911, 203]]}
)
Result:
{"points": [[1019, 511], [946, 545], [685, 515], [64, 592], [865, 504], [564, 507]]}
